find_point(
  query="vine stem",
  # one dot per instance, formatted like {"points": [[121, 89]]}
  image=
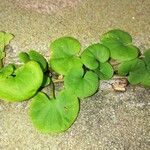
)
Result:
{"points": [[58, 80]]}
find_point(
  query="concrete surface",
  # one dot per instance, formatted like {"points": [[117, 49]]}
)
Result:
{"points": [[108, 120]]}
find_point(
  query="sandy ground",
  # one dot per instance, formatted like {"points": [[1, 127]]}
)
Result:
{"points": [[108, 120]]}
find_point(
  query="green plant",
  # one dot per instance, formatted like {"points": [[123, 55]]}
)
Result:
{"points": [[80, 73]]}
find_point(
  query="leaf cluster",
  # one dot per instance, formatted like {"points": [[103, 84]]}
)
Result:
{"points": [[81, 71]]}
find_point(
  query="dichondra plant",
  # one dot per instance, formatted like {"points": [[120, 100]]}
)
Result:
{"points": [[80, 72]]}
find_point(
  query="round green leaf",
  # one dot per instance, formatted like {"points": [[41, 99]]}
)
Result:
{"points": [[104, 71], [125, 67], [54, 115], [120, 45], [82, 85], [94, 54], [23, 84], [64, 53]]}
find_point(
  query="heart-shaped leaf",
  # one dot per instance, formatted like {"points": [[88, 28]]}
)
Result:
{"points": [[94, 54], [22, 84], [125, 67], [82, 85], [54, 115], [64, 53], [120, 45], [104, 71]]}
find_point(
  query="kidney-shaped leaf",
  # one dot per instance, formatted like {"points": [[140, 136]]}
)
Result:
{"points": [[82, 85], [54, 115], [21, 85], [104, 71], [64, 53], [120, 45], [94, 54]]}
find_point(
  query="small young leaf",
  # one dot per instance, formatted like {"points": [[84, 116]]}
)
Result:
{"points": [[64, 53], [5, 38], [54, 115], [23, 84], [120, 45], [104, 71], [38, 58], [125, 67], [94, 54], [82, 85], [24, 57]]}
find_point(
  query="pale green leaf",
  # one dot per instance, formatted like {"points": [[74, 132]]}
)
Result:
{"points": [[23, 84], [64, 55], [54, 115]]}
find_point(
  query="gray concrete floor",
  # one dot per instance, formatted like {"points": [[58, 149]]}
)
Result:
{"points": [[108, 120]]}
